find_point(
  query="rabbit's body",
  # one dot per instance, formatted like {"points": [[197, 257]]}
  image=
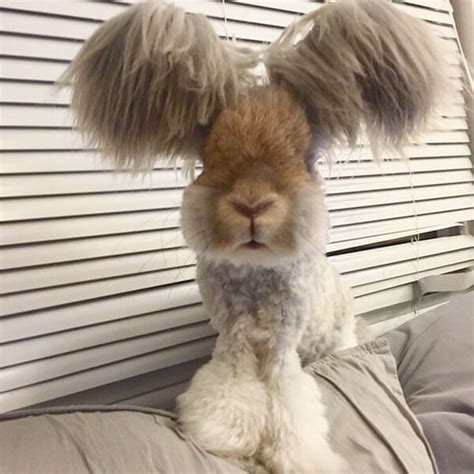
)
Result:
{"points": [[253, 400], [302, 305]]}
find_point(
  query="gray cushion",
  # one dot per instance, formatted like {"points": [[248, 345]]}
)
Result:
{"points": [[372, 428], [435, 358], [101, 440], [371, 424]]}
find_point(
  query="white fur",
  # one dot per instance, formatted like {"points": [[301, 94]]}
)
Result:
{"points": [[253, 400], [278, 419], [226, 414], [273, 310], [296, 441]]}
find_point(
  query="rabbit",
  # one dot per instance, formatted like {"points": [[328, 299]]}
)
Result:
{"points": [[157, 83], [257, 221]]}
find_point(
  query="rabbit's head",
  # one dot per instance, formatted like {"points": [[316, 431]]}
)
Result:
{"points": [[258, 198], [157, 83]]}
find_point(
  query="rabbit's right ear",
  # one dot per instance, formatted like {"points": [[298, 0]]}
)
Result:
{"points": [[148, 80], [362, 67]]}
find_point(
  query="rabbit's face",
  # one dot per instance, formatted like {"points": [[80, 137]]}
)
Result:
{"points": [[256, 200]]}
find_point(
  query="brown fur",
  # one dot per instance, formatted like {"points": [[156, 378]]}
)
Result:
{"points": [[263, 132], [255, 153]]}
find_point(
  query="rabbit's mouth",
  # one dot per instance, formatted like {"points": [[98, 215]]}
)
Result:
{"points": [[254, 245]]}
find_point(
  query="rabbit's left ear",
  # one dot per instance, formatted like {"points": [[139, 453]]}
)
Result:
{"points": [[361, 66], [149, 81]]}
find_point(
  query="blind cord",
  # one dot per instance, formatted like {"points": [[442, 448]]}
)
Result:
{"points": [[415, 239], [225, 19]]}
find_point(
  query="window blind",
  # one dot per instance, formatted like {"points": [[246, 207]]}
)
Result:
{"points": [[98, 299]]}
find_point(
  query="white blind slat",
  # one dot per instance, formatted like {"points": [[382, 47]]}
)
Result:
{"points": [[43, 25], [101, 11], [115, 392], [367, 281], [58, 206], [53, 275], [82, 249], [51, 297], [394, 237], [75, 227], [50, 184], [390, 237], [435, 4], [45, 48], [338, 186], [54, 344], [373, 258], [420, 193], [110, 373], [33, 93], [397, 295], [39, 371], [401, 280], [97, 311], [394, 211], [96, 11], [341, 170], [357, 231]]}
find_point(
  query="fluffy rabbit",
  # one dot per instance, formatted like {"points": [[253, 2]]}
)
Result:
{"points": [[157, 83], [257, 221]]}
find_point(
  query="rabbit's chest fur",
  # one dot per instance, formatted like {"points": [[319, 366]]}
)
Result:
{"points": [[256, 400], [271, 311]]}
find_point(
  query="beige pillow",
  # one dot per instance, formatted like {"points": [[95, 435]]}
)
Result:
{"points": [[372, 428], [371, 424]]}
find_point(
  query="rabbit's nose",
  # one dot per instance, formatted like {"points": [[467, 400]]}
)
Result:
{"points": [[252, 211]]}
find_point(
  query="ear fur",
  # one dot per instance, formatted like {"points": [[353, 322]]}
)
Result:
{"points": [[148, 80], [362, 66]]}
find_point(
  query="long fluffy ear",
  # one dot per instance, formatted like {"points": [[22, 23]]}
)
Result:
{"points": [[149, 79], [362, 66]]}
